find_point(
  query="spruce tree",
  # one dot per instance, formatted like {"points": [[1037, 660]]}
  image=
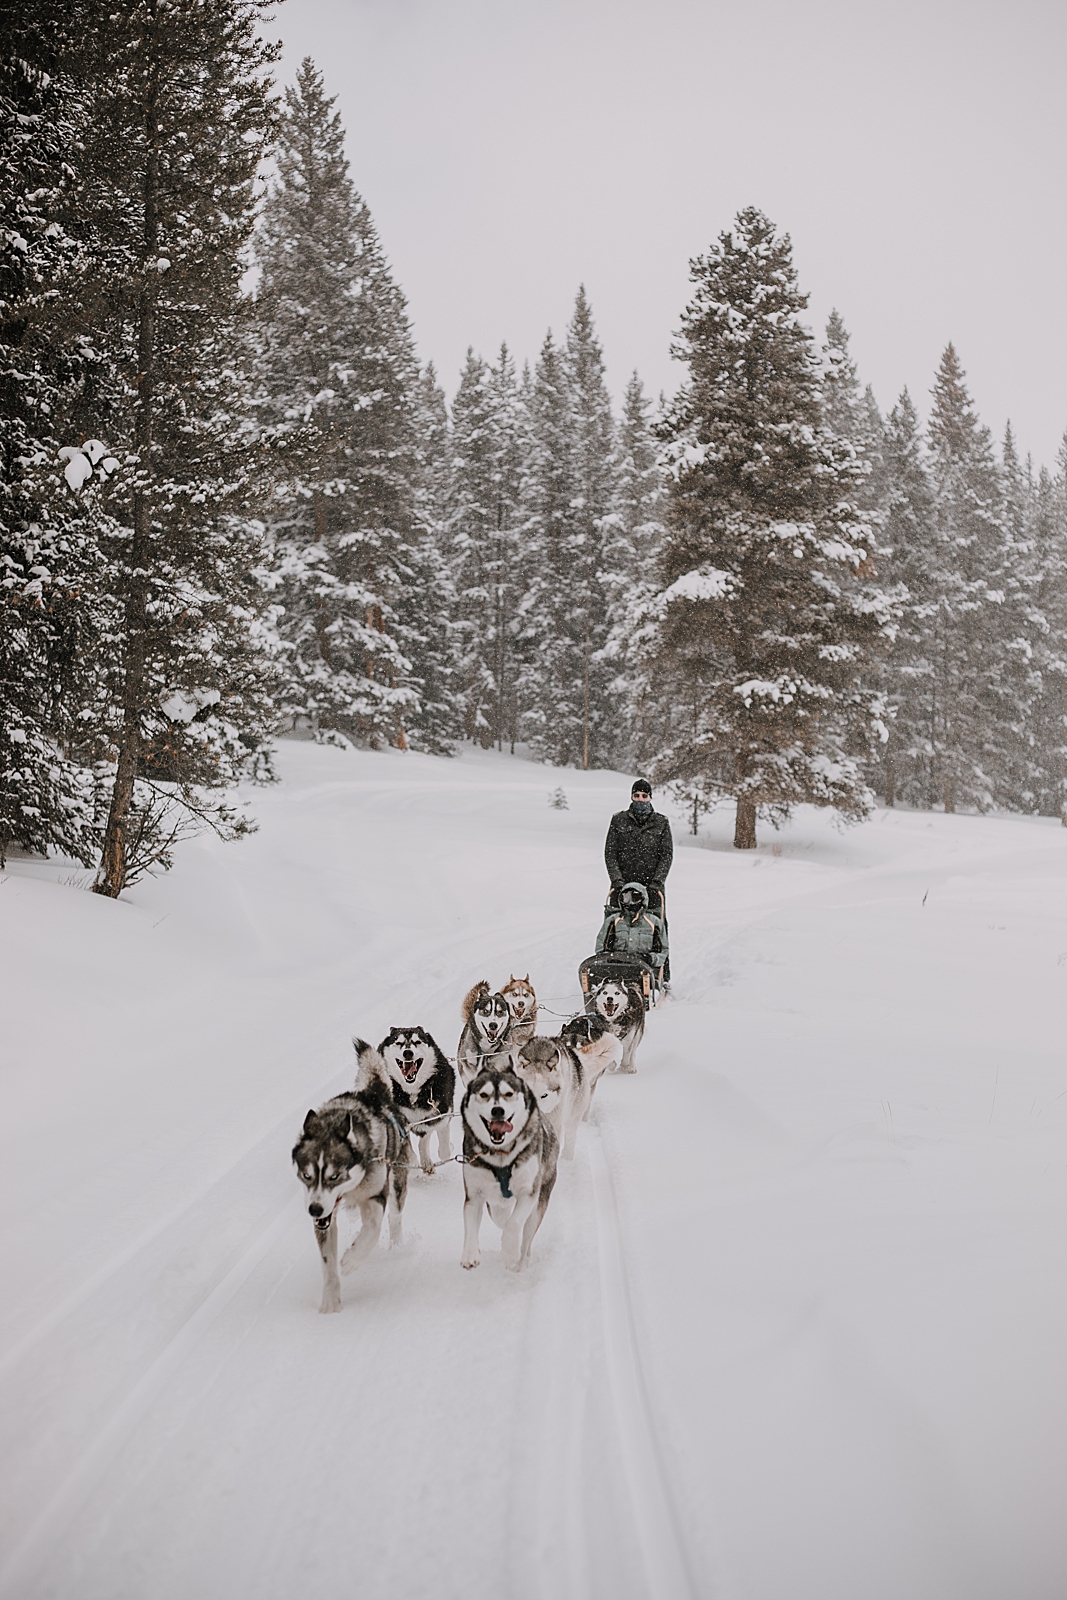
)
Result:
{"points": [[970, 620], [766, 617], [584, 607], [55, 385], [631, 564], [909, 566], [552, 678], [337, 383], [428, 598], [181, 119]]}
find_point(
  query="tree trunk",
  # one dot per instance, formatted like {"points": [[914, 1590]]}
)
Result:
{"points": [[745, 825], [890, 782], [114, 863], [949, 797]]}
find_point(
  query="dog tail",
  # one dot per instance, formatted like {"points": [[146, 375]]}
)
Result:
{"points": [[471, 999], [371, 1071]]}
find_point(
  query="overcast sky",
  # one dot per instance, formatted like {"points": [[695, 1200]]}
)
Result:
{"points": [[512, 149]]}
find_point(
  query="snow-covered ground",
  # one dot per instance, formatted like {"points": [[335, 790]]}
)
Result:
{"points": [[796, 1324]]}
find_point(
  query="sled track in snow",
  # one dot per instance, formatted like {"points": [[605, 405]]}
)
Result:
{"points": [[668, 1568], [71, 1493]]}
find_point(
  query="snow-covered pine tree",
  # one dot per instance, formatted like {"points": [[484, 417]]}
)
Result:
{"points": [[337, 380], [583, 608], [427, 603], [973, 629], [766, 619], [631, 566], [1048, 529], [552, 679], [181, 117], [53, 613], [487, 518], [909, 565]]}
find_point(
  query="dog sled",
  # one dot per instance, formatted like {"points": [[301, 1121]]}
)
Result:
{"points": [[633, 972]]}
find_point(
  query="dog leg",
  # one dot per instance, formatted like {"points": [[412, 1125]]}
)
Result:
{"points": [[425, 1159], [371, 1213], [500, 1212], [472, 1223], [512, 1243], [444, 1140], [331, 1283], [398, 1191]]}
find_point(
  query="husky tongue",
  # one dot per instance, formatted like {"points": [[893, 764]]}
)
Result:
{"points": [[499, 1129]]}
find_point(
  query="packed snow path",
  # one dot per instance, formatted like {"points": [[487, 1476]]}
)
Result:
{"points": [[795, 1321]]}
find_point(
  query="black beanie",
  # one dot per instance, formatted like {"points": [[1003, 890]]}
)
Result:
{"points": [[641, 783]]}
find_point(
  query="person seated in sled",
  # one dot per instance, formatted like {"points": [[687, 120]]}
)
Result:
{"points": [[639, 849], [632, 929]]}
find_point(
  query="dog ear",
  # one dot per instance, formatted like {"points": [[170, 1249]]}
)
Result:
{"points": [[527, 978], [309, 1121]]}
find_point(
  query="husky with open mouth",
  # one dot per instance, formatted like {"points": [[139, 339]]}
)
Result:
{"points": [[522, 1003], [353, 1152], [622, 1007], [486, 1030], [509, 1164], [424, 1088]]}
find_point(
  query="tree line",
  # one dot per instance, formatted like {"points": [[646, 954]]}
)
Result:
{"points": [[225, 513]]}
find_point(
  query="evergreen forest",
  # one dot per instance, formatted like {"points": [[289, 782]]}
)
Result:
{"points": [[228, 513]]}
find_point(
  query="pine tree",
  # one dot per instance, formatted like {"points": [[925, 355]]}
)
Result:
{"points": [[428, 600], [180, 121], [631, 566], [337, 379], [766, 620], [1048, 524], [53, 613], [909, 565], [584, 608], [970, 712], [552, 685]]}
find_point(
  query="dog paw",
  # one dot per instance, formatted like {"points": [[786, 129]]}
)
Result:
{"points": [[469, 1261], [428, 1169], [514, 1266], [330, 1303]]}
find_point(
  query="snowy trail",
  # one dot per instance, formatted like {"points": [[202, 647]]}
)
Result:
{"points": [[795, 1318]]}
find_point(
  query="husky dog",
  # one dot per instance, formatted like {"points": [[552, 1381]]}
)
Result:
{"points": [[553, 1071], [597, 1048], [353, 1152], [509, 1164], [522, 1003], [621, 1006], [424, 1088], [486, 1030]]}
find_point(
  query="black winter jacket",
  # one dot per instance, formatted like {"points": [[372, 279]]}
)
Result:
{"points": [[638, 850]]}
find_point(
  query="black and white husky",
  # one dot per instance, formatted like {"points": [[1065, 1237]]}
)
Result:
{"points": [[597, 1047], [509, 1164], [353, 1152], [424, 1088], [622, 1007], [486, 1030]]}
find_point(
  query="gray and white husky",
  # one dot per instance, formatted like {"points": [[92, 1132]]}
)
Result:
{"points": [[509, 1164], [486, 1030], [424, 1088], [554, 1073], [622, 1007], [353, 1152]]}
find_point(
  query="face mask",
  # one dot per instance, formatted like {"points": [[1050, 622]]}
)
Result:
{"points": [[640, 808]]}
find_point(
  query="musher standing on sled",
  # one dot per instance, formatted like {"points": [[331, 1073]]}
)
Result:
{"points": [[639, 849]]}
